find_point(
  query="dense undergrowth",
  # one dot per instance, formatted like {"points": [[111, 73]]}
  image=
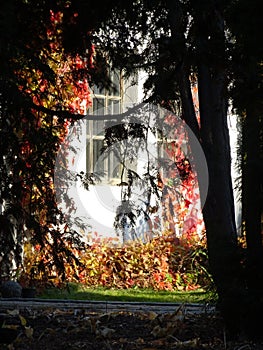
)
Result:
{"points": [[161, 264]]}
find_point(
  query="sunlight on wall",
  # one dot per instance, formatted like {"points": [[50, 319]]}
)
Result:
{"points": [[96, 208]]}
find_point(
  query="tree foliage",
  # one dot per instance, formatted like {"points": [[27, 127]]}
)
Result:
{"points": [[38, 80], [178, 41], [175, 42]]}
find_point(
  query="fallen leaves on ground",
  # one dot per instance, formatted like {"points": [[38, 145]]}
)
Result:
{"points": [[47, 329]]}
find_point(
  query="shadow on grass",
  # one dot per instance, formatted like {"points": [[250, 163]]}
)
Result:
{"points": [[78, 292]]}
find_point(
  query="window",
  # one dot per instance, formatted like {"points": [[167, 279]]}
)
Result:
{"points": [[106, 164]]}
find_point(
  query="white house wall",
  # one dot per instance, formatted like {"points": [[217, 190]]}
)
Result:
{"points": [[96, 207]]}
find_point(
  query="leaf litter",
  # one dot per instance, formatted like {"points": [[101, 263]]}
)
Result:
{"points": [[47, 329]]}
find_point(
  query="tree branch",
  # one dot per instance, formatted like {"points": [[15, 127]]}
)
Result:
{"points": [[77, 116]]}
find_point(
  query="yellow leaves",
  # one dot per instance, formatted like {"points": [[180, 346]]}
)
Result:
{"points": [[152, 265], [10, 347], [94, 324], [188, 344], [159, 332], [22, 320], [10, 326], [16, 330], [29, 332], [152, 315], [96, 328], [27, 329], [92, 273], [82, 329], [47, 331], [166, 325]]}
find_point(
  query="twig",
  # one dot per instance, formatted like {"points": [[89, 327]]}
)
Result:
{"points": [[174, 338], [243, 347], [224, 337]]}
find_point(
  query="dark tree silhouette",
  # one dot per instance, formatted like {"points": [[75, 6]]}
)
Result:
{"points": [[173, 42]]}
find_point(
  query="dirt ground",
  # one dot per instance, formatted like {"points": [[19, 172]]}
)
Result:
{"points": [[49, 329]]}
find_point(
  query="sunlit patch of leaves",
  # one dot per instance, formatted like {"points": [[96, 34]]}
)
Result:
{"points": [[161, 264]]}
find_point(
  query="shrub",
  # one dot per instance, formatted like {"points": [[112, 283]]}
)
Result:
{"points": [[161, 264]]}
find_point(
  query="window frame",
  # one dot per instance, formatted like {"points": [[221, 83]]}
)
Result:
{"points": [[96, 133]]}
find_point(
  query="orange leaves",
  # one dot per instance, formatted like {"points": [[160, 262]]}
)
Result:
{"points": [[55, 81], [158, 264], [179, 184], [61, 80], [55, 17]]}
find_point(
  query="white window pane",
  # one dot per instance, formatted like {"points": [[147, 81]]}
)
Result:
{"points": [[99, 158], [114, 106], [98, 105], [98, 90], [115, 78]]}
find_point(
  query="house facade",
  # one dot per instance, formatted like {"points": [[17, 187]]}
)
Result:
{"points": [[95, 209]]}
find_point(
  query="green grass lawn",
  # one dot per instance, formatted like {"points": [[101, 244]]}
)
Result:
{"points": [[80, 292]]}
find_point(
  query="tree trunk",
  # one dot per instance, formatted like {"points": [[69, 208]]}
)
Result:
{"points": [[251, 197], [178, 49], [219, 207], [218, 211]]}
